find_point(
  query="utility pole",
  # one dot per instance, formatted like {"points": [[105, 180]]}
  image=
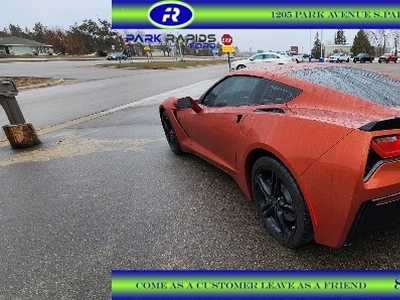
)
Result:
{"points": [[321, 43]]}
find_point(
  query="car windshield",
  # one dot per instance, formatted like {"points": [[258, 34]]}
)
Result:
{"points": [[361, 83]]}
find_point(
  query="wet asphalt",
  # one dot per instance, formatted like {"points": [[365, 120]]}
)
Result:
{"points": [[108, 194]]}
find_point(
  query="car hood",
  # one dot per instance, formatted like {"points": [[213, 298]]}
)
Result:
{"points": [[242, 61]]}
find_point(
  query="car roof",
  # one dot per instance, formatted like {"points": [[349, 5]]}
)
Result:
{"points": [[348, 80], [335, 94]]}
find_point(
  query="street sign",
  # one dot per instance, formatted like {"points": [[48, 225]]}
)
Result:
{"points": [[226, 39], [228, 48]]}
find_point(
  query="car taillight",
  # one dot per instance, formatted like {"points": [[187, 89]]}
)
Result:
{"points": [[387, 146]]}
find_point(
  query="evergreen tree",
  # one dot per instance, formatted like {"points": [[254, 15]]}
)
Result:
{"points": [[316, 50], [361, 44], [339, 38]]}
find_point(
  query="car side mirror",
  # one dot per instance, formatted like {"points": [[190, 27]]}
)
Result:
{"points": [[185, 102], [188, 102]]}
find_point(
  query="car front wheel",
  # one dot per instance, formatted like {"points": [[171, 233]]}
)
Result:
{"points": [[240, 67], [170, 134], [280, 203]]}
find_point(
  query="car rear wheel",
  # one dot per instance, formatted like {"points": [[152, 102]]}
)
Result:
{"points": [[280, 203], [240, 67], [170, 134]]}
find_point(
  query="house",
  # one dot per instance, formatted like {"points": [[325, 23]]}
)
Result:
{"points": [[14, 45]]}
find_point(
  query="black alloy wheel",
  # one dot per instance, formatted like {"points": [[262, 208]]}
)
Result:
{"points": [[170, 134], [280, 203]]}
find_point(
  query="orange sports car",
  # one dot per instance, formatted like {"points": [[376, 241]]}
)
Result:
{"points": [[316, 147]]}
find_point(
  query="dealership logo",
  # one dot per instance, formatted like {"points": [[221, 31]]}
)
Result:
{"points": [[196, 41], [143, 39], [170, 14]]}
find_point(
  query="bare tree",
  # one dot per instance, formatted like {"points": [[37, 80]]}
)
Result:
{"points": [[379, 38]]}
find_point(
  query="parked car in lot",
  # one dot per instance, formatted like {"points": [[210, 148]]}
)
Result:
{"points": [[339, 57], [297, 57], [363, 57], [286, 134], [387, 57], [117, 56], [262, 58]]}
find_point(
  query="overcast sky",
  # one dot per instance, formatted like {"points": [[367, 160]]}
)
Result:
{"points": [[63, 14]]}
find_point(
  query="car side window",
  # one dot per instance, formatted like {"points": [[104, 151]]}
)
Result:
{"points": [[232, 91], [258, 57], [271, 92]]}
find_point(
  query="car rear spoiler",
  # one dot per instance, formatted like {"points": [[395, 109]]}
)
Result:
{"points": [[382, 125]]}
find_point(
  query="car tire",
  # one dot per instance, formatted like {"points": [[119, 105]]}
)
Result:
{"points": [[387, 61], [354, 61], [170, 134], [280, 203], [240, 67], [379, 61]]}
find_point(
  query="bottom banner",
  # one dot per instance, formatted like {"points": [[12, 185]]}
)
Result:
{"points": [[255, 284]]}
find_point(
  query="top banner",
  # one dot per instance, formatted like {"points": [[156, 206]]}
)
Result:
{"points": [[255, 14]]}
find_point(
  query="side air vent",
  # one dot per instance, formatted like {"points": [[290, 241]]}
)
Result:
{"points": [[270, 110]]}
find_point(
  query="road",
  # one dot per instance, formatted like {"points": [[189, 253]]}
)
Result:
{"points": [[94, 89], [106, 193]]}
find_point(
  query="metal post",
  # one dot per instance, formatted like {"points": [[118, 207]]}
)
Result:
{"points": [[8, 91], [19, 134], [321, 43]]}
